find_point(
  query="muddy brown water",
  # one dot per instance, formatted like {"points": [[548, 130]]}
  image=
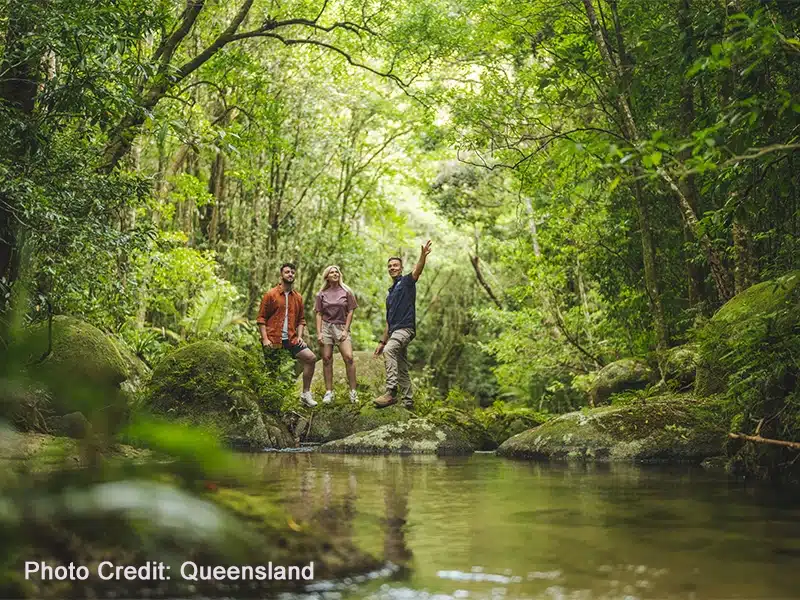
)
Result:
{"points": [[483, 527]]}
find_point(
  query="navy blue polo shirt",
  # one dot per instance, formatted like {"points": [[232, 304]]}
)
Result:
{"points": [[401, 304]]}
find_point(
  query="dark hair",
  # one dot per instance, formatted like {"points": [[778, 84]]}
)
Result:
{"points": [[391, 258], [287, 264]]}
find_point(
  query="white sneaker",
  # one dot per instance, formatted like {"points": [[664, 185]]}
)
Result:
{"points": [[328, 397], [307, 399], [354, 396]]}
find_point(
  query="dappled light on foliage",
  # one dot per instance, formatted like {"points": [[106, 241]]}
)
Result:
{"points": [[611, 189]]}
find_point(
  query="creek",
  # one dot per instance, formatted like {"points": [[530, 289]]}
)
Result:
{"points": [[485, 528]]}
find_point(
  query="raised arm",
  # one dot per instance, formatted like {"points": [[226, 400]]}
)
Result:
{"points": [[423, 255]]}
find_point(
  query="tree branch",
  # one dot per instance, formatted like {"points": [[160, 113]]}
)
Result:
{"points": [[170, 44], [475, 265], [293, 42], [224, 38], [762, 440]]}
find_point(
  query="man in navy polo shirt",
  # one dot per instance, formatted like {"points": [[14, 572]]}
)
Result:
{"points": [[401, 328]]}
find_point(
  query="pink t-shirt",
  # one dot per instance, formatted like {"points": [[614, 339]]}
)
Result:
{"points": [[334, 304]]}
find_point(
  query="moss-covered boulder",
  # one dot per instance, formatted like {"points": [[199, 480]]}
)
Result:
{"points": [[464, 422], [331, 422], [214, 384], [79, 350], [370, 376], [667, 429], [416, 436], [502, 422], [71, 366], [620, 376], [749, 355], [761, 317], [679, 365]]}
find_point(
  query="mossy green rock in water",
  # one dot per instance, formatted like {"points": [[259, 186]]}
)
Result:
{"points": [[466, 424], [756, 317], [330, 422], [214, 384], [416, 436], [619, 376], [668, 429]]}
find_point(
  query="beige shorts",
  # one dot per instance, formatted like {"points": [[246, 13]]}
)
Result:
{"points": [[332, 333]]}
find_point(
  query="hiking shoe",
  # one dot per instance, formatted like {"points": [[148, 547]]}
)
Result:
{"points": [[307, 399], [354, 396], [408, 405], [328, 397], [384, 401]]}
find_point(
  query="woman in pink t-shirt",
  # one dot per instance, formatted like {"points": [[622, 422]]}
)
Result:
{"points": [[334, 305]]}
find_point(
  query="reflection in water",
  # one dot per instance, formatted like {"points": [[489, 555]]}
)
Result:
{"points": [[327, 496], [485, 528], [396, 490]]}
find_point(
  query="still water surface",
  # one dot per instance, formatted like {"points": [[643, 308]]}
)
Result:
{"points": [[488, 528]]}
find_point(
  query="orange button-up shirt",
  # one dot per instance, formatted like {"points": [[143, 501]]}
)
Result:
{"points": [[272, 312]]}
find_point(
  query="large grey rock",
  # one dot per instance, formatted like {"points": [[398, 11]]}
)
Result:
{"points": [[416, 436], [670, 429], [339, 420]]}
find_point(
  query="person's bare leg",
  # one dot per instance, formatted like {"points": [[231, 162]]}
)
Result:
{"points": [[327, 366], [309, 360], [346, 350]]}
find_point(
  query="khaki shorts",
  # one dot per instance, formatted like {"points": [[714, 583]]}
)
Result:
{"points": [[332, 333]]}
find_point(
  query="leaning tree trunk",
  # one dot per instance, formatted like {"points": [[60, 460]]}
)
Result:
{"points": [[631, 133]]}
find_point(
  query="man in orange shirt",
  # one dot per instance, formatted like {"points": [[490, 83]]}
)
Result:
{"points": [[281, 322]]}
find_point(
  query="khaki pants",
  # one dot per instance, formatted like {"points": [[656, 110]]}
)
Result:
{"points": [[396, 358]]}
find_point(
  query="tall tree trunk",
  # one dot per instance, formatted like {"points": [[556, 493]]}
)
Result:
{"points": [[744, 264], [630, 131], [694, 272], [211, 214], [20, 70], [537, 252], [649, 259]]}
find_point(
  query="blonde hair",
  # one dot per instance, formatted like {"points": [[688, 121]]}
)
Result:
{"points": [[326, 284]]}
